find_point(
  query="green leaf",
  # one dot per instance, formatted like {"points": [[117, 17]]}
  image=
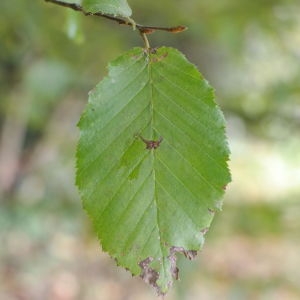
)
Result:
{"points": [[149, 204], [112, 7]]}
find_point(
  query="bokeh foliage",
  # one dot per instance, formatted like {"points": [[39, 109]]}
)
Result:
{"points": [[51, 57]]}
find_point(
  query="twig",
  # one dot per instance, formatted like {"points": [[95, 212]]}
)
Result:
{"points": [[144, 30]]}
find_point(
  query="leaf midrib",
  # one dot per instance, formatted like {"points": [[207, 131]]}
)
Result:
{"points": [[153, 153]]}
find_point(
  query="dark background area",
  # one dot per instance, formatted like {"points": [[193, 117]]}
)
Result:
{"points": [[50, 57]]}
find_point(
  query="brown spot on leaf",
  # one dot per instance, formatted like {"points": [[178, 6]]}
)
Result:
{"points": [[155, 59], [149, 275], [153, 50], [212, 211], [151, 144], [204, 230], [190, 254], [173, 259], [136, 57]]}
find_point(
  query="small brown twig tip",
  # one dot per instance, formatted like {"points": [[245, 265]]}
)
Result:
{"points": [[179, 28]]}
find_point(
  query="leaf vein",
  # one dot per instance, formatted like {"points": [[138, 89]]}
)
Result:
{"points": [[192, 117], [191, 166], [185, 91], [141, 88], [91, 163], [130, 201], [191, 139], [177, 203], [135, 229]]}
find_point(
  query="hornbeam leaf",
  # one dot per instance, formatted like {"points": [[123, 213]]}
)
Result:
{"points": [[151, 162], [112, 7]]}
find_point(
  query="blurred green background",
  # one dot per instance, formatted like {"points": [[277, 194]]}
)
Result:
{"points": [[50, 57]]}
